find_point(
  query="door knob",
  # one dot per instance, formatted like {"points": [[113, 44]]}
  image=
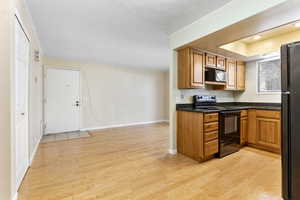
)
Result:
{"points": [[77, 103], [22, 113]]}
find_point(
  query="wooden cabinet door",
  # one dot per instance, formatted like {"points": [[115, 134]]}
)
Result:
{"points": [[210, 60], [244, 130], [251, 134], [231, 74], [221, 63], [190, 136], [240, 76], [268, 133], [197, 68]]}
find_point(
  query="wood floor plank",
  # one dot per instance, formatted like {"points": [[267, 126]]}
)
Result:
{"points": [[132, 164]]}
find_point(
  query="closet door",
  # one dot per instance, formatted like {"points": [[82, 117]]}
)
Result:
{"points": [[21, 101]]}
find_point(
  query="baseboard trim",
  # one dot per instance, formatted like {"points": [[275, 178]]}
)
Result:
{"points": [[55, 132], [173, 151], [35, 150], [123, 125], [15, 197]]}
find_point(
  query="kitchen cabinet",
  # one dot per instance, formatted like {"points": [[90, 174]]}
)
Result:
{"points": [[221, 63], [244, 126], [231, 74], [197, 135], [264, 130], [190, 68], [210, 60], [251, 137], [240, 76], [211, 134], [190, 134], [268, 129]]}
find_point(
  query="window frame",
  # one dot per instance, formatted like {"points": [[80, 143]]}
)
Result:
{"points": [[257, 77]]}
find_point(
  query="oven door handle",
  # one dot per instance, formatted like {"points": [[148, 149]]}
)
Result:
{"points": [[231, 112]]}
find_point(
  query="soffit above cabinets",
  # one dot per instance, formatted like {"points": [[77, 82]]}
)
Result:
{"points": [[265, 42], [270, 19]]}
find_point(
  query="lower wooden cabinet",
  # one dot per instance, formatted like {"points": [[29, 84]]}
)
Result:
{"points": [[211, 147], [244, 127], [264, 130], [268, 133], [197, 134], [190, 140]]}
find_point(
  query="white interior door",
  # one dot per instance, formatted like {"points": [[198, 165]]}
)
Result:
{"points": [[62, 100], [21, 102]]}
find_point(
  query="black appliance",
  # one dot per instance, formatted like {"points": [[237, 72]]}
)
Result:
{"points": [[215, 75], [206, 102], [229, 123], [229, 132], [290, 98]]}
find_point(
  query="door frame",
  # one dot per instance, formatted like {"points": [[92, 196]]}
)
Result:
{"points": [[18, 19], [46, 67]]}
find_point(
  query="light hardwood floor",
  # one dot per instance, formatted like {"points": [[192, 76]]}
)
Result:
{"points": [[132, 164]]}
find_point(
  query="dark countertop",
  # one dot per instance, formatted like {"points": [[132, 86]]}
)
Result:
{"points": [[231, 106]]}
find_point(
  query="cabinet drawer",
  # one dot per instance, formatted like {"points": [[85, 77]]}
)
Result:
{"points": [[213, 126], [244, 113], [213, 117], [268, 114], [211, 148], [211, 136]]}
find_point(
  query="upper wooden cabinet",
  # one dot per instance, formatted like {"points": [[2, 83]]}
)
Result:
{"points": [[210, 60], [240, 76], [221, 63], [190, 68], [231, 74]]}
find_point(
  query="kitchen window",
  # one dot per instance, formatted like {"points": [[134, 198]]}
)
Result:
{"points": [[269, 76]]}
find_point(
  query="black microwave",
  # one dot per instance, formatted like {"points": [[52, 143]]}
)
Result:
{"points": [[215, 75]]}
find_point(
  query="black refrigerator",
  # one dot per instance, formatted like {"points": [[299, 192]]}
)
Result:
{"points": [[290, 84]]}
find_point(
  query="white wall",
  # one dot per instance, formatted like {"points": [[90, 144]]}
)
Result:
{"points": [[250, 94], [186, 95], [6, 33], [114, 95], [167, 95]]}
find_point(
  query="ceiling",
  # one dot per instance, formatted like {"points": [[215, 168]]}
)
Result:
{"points": [[269, 41], [282, 14], [131, 33], [284, 29]]}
